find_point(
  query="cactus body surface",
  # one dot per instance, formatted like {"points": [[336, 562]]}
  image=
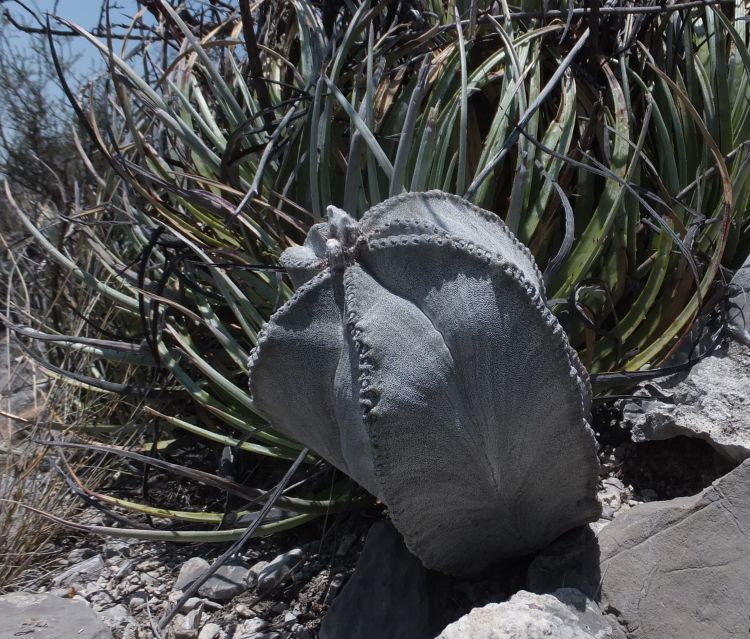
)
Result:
{"points": [[418, 356]]}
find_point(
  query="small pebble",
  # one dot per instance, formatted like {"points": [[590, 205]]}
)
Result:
{"points": [[77, 555], [243, 610], [255, 571], [211, 631], [278, 570], [251, 626], [125, 569], [149, 564], [138, 600], [187, 626], [191, 570]]}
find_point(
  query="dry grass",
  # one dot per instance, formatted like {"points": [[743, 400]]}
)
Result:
{"points": [[34, 408]]}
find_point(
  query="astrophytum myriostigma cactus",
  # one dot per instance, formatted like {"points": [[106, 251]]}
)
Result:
{"points": [[418, 357]]}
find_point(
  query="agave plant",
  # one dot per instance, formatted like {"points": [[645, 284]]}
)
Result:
{"points": [[615, 146]]}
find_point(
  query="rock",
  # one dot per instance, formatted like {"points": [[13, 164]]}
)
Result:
{"points": [[300, 632], [243, 610], [138, 599], [611, 496], [187, 626], [739, 312], [22, 391], [231, 579], [250, 627], [682, 568], [255, 572], [77, 555], [211, 631], [191, 570], [191, 604], [116, 548], [712, 400], [278, 569], [125, 569], [80, 573], [228, 581], [44, 616], [334, 587], [565, 614], [116, 616], [678, 568], [387, 595], [571, 562], [132, 631]]}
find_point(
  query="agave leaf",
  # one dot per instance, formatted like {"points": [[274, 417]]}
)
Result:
{"points": [[691, 307], [178, 536], [365, 132], [594, 236]]}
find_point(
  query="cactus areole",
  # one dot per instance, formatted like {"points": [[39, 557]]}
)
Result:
{"points": [[418, 356]]}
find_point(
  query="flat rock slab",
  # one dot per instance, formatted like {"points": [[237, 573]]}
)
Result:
{"points": [[44, 616], [678, 568], [565, 614], [386, 596]]}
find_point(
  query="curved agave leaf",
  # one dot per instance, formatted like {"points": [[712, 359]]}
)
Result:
{"points": [[424, 362]]}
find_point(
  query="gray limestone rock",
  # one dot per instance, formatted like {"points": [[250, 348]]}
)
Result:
{"points": [[426, 365], [44, 616], [250, 627], [682, 568], [274, 572], [255, 571], [78, 555], [228, 581], [712, 400], [22, 393], [191, 570], [739, 312], [187, 626], [211, 631], [82, 572], [116, 616], [565, 614], [386, 596], [678, 568]]}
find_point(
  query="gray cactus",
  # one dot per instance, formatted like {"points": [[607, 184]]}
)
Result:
{"points": [[418, 356]]}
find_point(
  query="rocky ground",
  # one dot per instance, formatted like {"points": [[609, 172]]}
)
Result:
{"points": [[283, 587]]}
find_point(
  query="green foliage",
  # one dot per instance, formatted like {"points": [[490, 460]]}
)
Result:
{"points": [[616, 150]]}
